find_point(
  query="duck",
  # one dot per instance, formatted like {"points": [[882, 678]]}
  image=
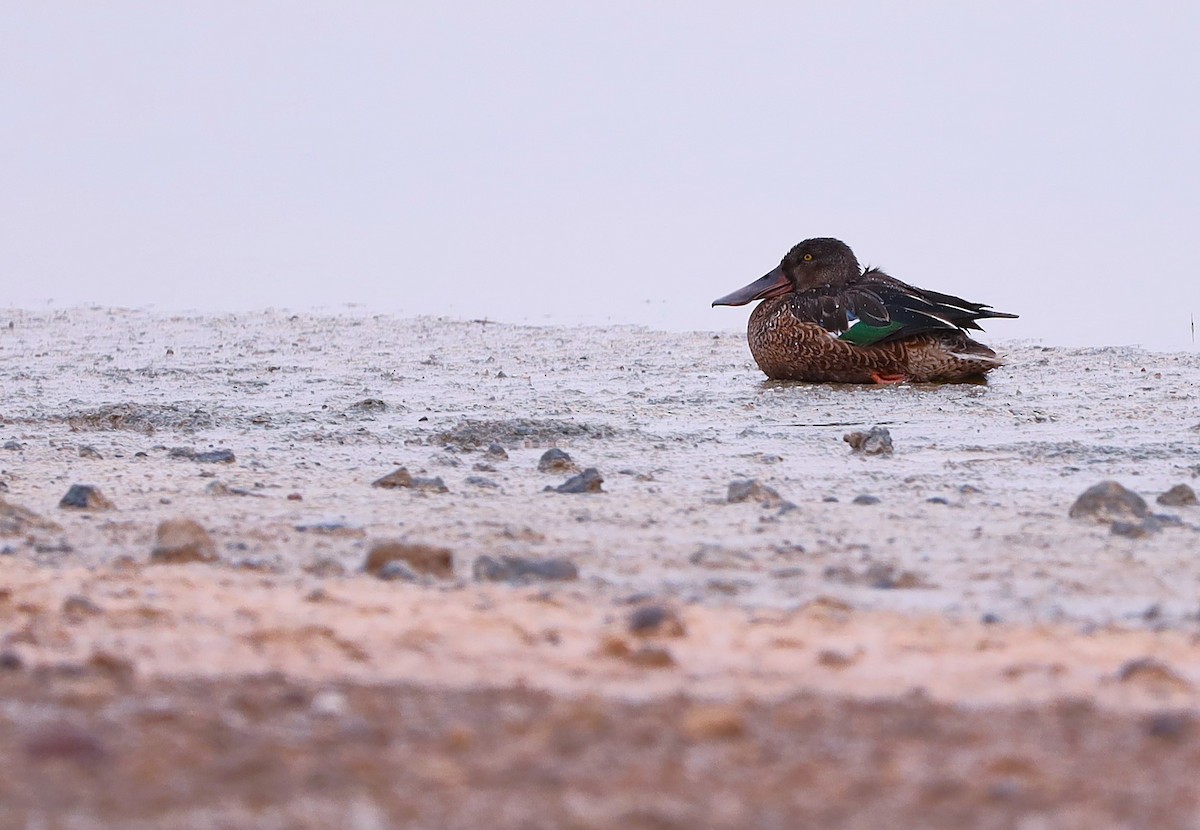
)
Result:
{"points": [[823, 318]]}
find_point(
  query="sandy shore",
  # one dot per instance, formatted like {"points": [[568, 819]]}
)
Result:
{"points": [[960, 595]]}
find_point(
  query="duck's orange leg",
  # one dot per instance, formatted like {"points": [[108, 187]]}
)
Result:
{"points": [[883, 380]]}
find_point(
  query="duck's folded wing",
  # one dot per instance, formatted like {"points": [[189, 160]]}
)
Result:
{"points": [[884, 309]]}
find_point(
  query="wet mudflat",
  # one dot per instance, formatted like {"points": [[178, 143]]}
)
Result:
{"points": [[345, 520]]}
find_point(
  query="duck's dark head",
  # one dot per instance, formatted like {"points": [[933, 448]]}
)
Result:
{"points": [[813, 263]]}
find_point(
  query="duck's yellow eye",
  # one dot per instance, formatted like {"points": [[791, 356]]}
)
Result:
{"points": [[808, 257]]}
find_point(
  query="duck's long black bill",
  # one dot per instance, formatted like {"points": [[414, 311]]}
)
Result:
{"points": [[773, 284]]}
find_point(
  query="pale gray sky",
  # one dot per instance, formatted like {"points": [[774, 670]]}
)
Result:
{"points": [[603, 161]]}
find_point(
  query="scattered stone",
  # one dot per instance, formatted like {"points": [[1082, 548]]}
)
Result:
{"points": [[432, 485], [652, 657], [496, 452], [588, 481], [991, 618], [324, 567], [13, 445], [10, 661], [397, 570], [1169, 725], [834, 659], [1181, 495], [207, 457], [218, 488], [647, 656], [369, 405], [707, 721], [483, 467], [716, 557], [518, 569], [866, 499], [937, 500], [750, 489], [295, 497], [263, 564], [425, 559], [21, 521], [1109, 501], [480, 481], [1136, 530], [88, 451], [398, 477], [788, 572], [1152, 672], [178, 541], [556, 461], [111, 665], [85, 497], [79, 606], [876, 442], [656, 620]]}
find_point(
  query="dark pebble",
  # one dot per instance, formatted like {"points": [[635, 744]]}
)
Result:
{"points": [[517, 569], [496, 452], [207, 457], [433, 485], [1181, 495], [751, 489], [990, 619], [1109, 501], [85, 497], [1170, 725], [1152, 671], [1135, 530], [178, 541], [398, 477], [788, 572], [370, 405], [10, 661], [78, 606], [13, 445], [324, 567], [866, 499], [937, 500], [88, 451], [480, 481], [555, 461], [588, 481], [876, 442], [656, 619], [426, 559], [397, 571], [215, 457]]}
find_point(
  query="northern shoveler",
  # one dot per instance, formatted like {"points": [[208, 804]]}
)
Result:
{"points": [[824, 318]]}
